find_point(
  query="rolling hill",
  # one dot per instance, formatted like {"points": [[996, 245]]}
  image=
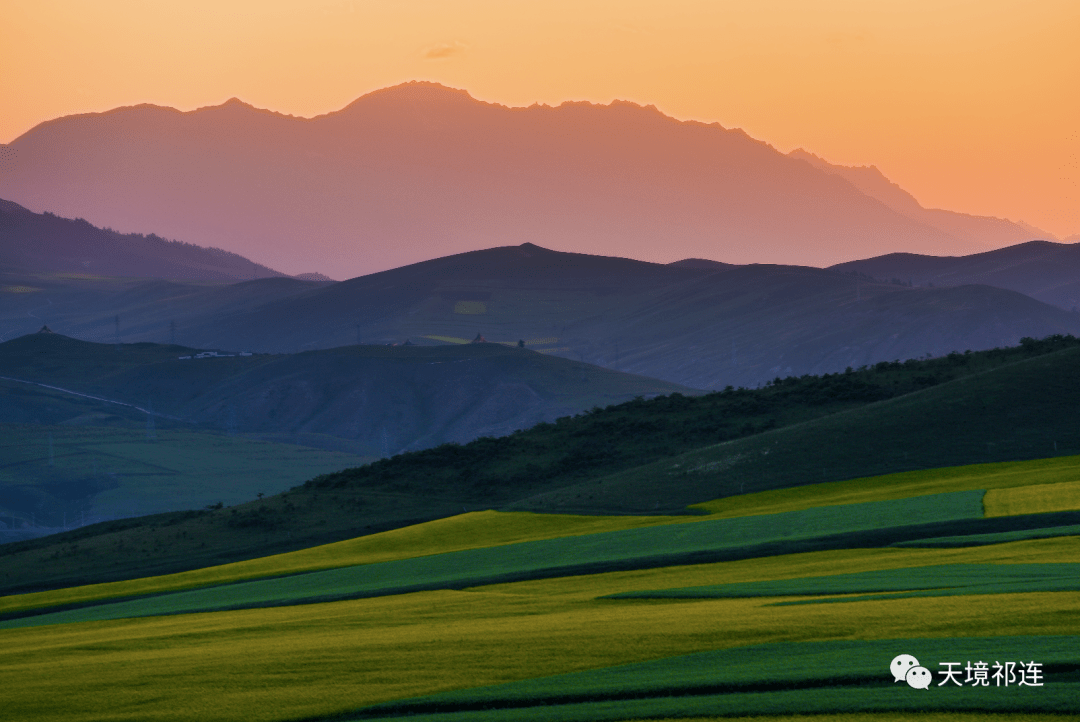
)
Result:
{"points": [[972, 408], [694, 324], [383, 399], [46, 243], [779, 592], [770, 610], [345, 185], [1049, 272], [94, 431]]}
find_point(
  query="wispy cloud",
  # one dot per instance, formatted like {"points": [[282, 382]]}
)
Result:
{"points": [[440, 51]]}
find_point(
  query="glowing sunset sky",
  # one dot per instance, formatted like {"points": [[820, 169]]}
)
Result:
{"points": [[971, 105]]}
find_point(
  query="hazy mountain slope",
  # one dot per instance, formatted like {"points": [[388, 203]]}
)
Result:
{"points": [[384, 400], [752, 324], [1049, 272], [45, 243], [416, 170], [107, 309], [694, 326], [982, 230]]}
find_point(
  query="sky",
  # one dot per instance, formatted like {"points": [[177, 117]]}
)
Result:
{"points": [[970, 105]]}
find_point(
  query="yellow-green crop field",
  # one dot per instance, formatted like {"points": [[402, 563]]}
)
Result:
{"points": [[1034, 499], [1006, 475], [321, 660]]}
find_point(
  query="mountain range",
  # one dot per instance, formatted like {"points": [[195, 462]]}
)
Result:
{"points": [[696, 323], [420, 170]]}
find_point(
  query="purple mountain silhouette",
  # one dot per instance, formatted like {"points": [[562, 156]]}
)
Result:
{"points": [[419, 171]]}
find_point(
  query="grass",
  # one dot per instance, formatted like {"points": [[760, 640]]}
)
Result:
{"points": [[997, 538], [1015, 412], [479, 529], [1057, 700], [758, 678], [482, 529], [301, 662], [1017, 476], [133, 475], [1034, 499], [599, 462], [936, 580], [456, 533], [882, 717], [643, 546]]}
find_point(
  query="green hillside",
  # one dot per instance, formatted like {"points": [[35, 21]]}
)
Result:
{"points": [[100, 431], [450, 638], [911, 416], [56, 477], [1023, 410], [380, 399]]}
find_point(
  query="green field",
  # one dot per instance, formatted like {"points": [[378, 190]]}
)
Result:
{"points": [[482, 529], [946, 542], [329, 658], [828, 676], [115, 472], [464, 531], [1034, 499], [655, 545], [940, 580], [512, 616]]}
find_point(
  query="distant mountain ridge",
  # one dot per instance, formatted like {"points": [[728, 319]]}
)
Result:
{"points": [[46, 243], [991, 232], [693, 324], [418, 170], [1049, 272]]}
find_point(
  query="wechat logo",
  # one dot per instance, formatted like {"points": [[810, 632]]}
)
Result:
{"points": [[905, 668]]}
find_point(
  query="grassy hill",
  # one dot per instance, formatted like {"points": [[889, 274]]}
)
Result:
{"points": [[622, 459], [382, 400], [81, 444], [1022, 410], [67, 476], [497, 616]]}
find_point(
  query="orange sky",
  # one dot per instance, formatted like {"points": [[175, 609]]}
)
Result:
{"points": [[972, 105]]}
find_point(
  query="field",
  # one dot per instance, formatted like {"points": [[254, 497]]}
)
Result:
{"points": [[78, 474], [559, 640], [301, 662]]}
